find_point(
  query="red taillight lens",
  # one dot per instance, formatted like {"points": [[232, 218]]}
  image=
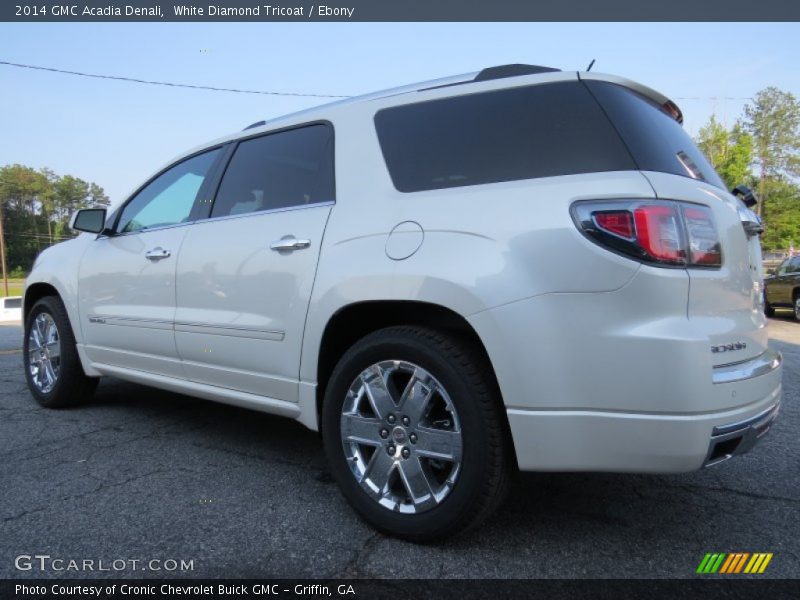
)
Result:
{"points": [[663, 232], [618, 222], [658, 233]]}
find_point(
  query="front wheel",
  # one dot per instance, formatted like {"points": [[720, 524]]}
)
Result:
{"points": [[53, 369], [415, 433], [797, 307]]}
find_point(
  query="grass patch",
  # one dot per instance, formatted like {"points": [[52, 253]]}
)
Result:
{"points": [[14, 287]]}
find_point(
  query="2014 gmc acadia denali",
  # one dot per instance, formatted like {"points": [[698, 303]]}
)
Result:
{"points": [[517, 268]]}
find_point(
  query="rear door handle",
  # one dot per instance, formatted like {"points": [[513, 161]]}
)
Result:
{"points": [[289, 243], [157, 254]]}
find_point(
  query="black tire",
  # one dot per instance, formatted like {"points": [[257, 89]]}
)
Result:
{"points": [[796, 305], [768, 310], [487, 459], [72, 386]]}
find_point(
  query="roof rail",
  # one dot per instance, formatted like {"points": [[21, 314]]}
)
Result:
{"points": [[256, 124], [515, 70]]}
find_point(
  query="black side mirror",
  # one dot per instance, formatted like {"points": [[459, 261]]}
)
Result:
{"points": [[772, 271], [90, 220], [746, 194]]}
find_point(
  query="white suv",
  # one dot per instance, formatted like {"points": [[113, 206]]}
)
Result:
{"points": [[517, 268]]}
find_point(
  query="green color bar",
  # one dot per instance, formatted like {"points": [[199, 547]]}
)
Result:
{"points": [[717, 564], [710, 563], [701, 568]]}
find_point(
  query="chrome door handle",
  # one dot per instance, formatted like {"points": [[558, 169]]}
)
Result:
{"points": [[289, 243], [157, 254]]}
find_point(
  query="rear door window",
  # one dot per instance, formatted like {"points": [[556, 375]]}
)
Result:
{"points": [[280, 170], [504, 135]]}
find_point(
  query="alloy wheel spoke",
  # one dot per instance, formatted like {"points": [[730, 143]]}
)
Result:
{"points": [[438, 443], [50, 332], [378, 470], [54, 349], [362, 430], [49, 373], [40, 329], [380, 397], [34, 340], [415, 481], [417, 394]]}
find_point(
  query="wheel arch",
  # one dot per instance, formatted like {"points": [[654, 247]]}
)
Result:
{"points": [[354, 321], [35, 292]]}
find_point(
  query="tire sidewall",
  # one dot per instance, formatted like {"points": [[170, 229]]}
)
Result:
{"points": [[459, 501]]}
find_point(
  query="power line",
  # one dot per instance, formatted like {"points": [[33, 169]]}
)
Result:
{"points": [[166, 83], [261, 92], [715, 98]]}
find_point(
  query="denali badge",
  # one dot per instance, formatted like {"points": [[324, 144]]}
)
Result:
{"points": [[729, 347]]}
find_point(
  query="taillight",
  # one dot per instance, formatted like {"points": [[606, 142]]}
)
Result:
{"points": [[704, 246], [665, 233], [658, 232]]}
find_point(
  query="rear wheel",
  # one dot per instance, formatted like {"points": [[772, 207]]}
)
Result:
{"points": [[53, 369], [415, 434], [797, 306], [768, 310]]}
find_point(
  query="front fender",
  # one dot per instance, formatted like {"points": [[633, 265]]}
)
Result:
{"points": [[57, 267]]}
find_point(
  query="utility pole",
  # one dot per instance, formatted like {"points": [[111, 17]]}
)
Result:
{"points": [[3, 251]]}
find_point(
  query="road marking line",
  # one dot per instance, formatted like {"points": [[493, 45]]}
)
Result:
{"points": [[15, 351]]}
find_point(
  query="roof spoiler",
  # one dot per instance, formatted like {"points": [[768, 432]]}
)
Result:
{"points": [[667, 105]]}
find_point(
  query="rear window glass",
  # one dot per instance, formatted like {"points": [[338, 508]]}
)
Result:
{"points": [[279, 170], [656, 141], [504, 135]]}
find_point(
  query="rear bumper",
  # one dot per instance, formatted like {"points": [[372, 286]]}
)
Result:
{"points": [[586, 440], [731, 440]]}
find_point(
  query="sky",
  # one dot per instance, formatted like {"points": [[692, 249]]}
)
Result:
{"points": [[118, 133]]}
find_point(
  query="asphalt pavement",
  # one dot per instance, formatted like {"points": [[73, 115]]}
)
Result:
{"points": [[144, 475]]}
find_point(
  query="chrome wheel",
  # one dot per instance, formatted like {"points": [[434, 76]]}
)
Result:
{"points": [[797, 308], [44, 353], [401, 436]]}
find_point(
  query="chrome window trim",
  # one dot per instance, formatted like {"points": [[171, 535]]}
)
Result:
{"points": [[143, 230], [267, 212], [755, 367], [222, 218]]}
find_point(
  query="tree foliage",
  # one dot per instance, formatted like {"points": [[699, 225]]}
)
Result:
{"points": [[36, 207], [729, 150], [763, 151]]}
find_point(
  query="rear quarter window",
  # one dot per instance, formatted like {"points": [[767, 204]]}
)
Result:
{"points": [[656, 141], [504, 135]]}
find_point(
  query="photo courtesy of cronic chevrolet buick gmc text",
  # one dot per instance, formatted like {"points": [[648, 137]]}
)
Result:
{"points": [[520, 268]]}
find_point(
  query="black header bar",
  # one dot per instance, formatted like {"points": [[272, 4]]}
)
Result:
{"points": [[400, 10]]}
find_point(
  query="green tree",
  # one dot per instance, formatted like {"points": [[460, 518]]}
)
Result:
{"points": [[782, 221], [730, 151], [35, 208], [773, 119]]}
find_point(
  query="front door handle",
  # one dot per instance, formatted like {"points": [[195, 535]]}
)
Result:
{"points": [[157, 254], [289, 243]]}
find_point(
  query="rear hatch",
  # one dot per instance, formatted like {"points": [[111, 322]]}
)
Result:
{"points": [[724, 302]]}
